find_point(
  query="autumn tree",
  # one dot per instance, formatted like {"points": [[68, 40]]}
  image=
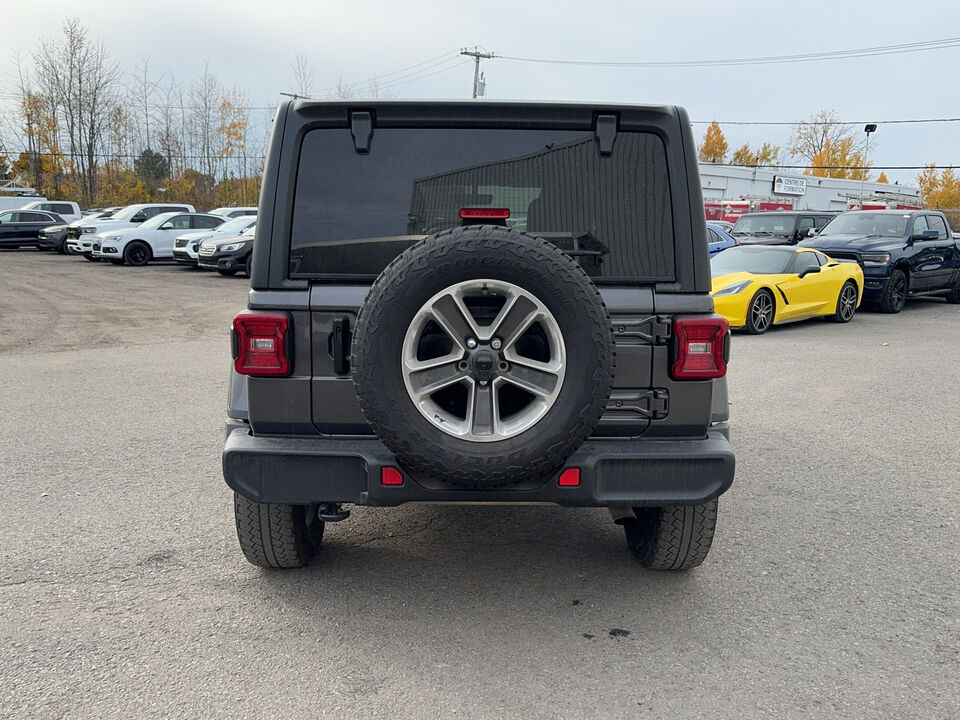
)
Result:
{"points": [[713, 148], [882, 177], [839, 159], [812, 138], [768, 155]]}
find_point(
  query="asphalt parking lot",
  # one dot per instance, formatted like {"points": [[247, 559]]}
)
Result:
{"points": [[832, 589]]}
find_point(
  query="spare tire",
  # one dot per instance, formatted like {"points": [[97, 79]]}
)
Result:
{"points": [[482, 357]]}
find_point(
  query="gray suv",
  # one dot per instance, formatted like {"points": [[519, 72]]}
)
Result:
{"points": [[466, 302]]}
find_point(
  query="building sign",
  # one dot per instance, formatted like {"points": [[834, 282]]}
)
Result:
{"points": [[789, 185]]}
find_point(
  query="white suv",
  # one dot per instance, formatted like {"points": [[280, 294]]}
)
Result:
{"points": [[81, 240], [152, 239], [69, 211], [185, 246], [232, 212]]}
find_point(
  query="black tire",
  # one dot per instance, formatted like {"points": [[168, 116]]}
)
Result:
{"points": [[137, 253], [461, 255], [116, 261], [672, 538], [226, 273], [275, 535], [62, 247], [895, 293], [953, 296], [846, 303], [761, 312], [90, 257]]}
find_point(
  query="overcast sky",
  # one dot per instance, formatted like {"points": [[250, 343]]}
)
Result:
{"points": [[251, 44]]}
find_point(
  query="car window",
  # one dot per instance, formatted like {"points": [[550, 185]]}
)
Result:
{"points": [[803, 261], [33, 217], [712, 236], [919, 224], [936, 223], [7, 217], [179, 222], [822, 220], [61, 208], [204, 222], [805, 224]]}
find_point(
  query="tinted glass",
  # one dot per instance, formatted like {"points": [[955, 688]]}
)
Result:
{"points": [[867, 223], [805, 223], [61, 208], [803, 261], [355, 212], [34, 217], [766, 225], [755, 259], [204, 222], [919, 224], [936, 223]]}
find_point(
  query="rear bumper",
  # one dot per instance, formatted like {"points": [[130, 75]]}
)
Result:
{"points": [[612, 472]]}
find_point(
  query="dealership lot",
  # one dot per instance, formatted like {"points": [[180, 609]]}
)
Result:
{"points": [[832, 588]]}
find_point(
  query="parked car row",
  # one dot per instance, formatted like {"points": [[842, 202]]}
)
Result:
{"points": [[221, 239], [788, 267]]}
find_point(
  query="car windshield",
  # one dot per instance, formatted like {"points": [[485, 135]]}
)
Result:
{"points": [[5, 217], [236, 224], [127, 212], [867, 223], [766, 224], [157, 220], [756, 260], [249, 230]]}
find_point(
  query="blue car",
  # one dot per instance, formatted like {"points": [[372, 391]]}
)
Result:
{"points": [[719, 239]]}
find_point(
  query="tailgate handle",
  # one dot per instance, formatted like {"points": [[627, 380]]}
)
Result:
{"points": [[340, 345]]}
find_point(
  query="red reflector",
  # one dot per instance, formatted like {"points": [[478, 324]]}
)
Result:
{"points": [[261, 343], [699, 348], [569, 478], [390, 476], [484, 213]]}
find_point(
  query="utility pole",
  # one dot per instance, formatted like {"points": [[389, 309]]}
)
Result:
{"points": [[476, 55]]}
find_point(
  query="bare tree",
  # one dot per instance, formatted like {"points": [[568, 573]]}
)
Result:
{"points": [[205, 99], [812, 137], [303, 75], [81, 84]]}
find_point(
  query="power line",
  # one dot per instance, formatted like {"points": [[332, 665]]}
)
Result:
{"points": [[765, 60], [825, 122]]}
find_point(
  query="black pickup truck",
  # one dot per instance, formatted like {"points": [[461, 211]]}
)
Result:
{"points": [[462, 302], [903, 254]]}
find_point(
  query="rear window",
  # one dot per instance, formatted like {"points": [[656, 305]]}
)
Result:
{"points": [[355, 212]]}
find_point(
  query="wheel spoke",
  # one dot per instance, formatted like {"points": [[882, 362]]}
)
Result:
{"points": [[483, 410], [538, 380], [431, 376], [455, 320], [513, 320]]}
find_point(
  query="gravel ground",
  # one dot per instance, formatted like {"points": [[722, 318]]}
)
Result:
{"points": [[831, 591]]}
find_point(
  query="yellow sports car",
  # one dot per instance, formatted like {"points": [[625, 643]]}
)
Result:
{"points": [[756, 286]]}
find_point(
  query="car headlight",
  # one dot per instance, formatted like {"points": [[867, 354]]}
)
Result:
{"points": [[232, 246], [875, 258], [733, 289], [88, 230]]}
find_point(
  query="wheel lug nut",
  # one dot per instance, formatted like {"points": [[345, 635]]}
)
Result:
{"points": [[463, 366], [496, 344], [471, 343], [502, 366]]}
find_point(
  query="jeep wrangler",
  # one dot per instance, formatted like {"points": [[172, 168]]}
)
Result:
{"points": [[467, 302]]}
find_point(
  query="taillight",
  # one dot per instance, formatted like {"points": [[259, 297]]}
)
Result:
{"points": [[262, 343], [700, 348], [484, 213]]}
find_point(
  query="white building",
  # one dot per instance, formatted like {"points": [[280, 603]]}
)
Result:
{"points": [[731, 191]]}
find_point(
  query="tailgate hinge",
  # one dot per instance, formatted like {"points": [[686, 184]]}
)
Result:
{"points": [[655, 329], [653, 404], [605, 132], [361, 127]]}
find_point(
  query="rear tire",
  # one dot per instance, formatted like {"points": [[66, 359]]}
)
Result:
{"points": [[273, 535], [953, 296], [846, 304], [761, 313], [895, 293], [672, 538]]}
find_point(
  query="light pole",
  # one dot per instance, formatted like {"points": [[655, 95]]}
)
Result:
{"points": [[868, 128]]}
